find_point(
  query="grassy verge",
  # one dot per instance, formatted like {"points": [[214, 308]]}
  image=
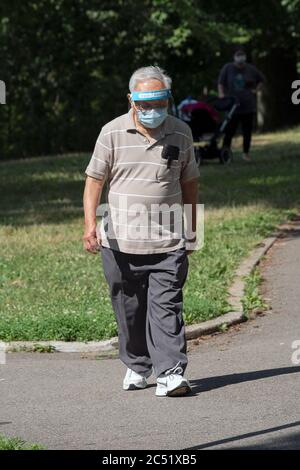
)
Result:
{"points": [[252, 300], [15, 443], [52, 289]]}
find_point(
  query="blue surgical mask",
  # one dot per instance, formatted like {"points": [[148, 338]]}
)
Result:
{"points": [[152, 118], [240, 58]]}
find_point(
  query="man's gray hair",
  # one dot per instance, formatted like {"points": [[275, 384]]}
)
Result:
{"points": [[145, 73]]}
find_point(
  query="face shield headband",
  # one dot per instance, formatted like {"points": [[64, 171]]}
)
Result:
{"points": [[151, 95]]}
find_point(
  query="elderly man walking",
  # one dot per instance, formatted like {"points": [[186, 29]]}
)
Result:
{"points": [[147, 158]]}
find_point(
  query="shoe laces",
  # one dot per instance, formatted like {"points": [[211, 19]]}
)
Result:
{"points": [[177, 370]]}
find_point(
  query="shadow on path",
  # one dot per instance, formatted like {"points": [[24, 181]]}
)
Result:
{"points": [[211, 383], [285, 442]]}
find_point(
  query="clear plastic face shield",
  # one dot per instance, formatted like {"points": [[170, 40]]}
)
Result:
{"points": [[147, 100], [151, 107]]}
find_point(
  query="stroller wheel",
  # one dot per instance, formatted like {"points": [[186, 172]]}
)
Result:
{"points": [[226, 156]]}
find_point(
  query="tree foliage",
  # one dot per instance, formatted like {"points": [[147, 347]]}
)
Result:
{"points": [[66, 63]]}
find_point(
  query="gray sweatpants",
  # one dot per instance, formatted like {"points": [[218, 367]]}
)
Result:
{"points": [[146, 294]]}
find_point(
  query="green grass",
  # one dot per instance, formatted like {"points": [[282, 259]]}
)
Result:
{"points": [[41, 348], [252, 300], [16, 443], [52, 289]]}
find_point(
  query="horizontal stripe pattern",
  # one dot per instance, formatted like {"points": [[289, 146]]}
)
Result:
{"points": [[137, 174]]}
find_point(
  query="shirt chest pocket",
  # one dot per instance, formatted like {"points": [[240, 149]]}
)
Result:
{"points": [[168, 172]]}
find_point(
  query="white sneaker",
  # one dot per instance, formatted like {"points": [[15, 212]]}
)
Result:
{"points": [[172, 383], [134, 381]]}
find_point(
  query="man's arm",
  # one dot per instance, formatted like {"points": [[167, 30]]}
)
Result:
{"points": [[190, 196], [91, 197]]}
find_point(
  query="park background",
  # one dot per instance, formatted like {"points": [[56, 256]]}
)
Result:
{"points": [[66, 65]]}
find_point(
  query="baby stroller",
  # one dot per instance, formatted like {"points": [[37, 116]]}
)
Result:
{"points": [[207, 127]]}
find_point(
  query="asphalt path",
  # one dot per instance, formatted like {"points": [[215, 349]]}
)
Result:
{"points": [[246, 386]]}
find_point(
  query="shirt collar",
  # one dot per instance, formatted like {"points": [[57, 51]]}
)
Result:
{"points": [[130, 124]]}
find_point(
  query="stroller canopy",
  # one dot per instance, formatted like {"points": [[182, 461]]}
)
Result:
{"points": [[189, 108]]}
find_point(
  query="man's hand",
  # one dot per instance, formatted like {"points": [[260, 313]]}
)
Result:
{"points": [[190, 196], [91, 198], [91, 241], [189, 252]]}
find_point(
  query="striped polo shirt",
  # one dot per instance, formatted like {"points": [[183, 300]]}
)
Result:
{"points": [[143, 193]]}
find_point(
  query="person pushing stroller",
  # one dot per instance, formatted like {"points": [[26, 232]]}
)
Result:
{"points": [[242, 80]]}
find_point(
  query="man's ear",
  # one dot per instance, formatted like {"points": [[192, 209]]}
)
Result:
{"points": [[129, 98]]}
